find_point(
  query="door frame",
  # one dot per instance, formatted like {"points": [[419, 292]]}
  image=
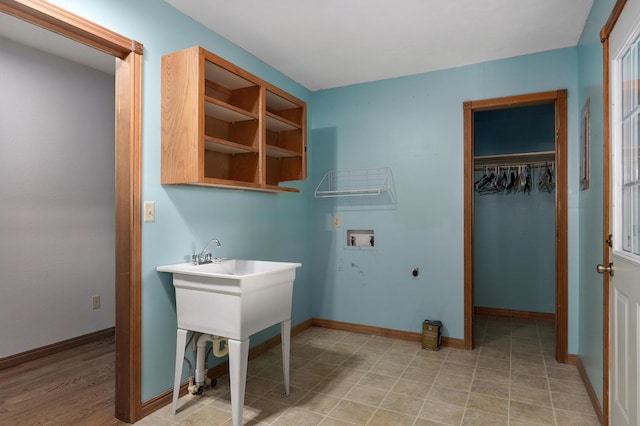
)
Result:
{"points": [[559, 99], [605, 32], [128, 178]]}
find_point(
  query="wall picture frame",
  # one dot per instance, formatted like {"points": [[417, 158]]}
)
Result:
{"points": [[585, 146]]}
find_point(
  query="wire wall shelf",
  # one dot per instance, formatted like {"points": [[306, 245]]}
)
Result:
{"points": [[373, 182]]}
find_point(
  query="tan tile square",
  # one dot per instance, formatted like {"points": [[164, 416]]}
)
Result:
{"points": [[463, 357], [277, 394], [348, 374], [352, 412], [209, 415], [402, 403], [459, 369], [411, 388], [187, 405], [397, 358], [452, 381], [441, 413], [500, 376], [328, 421], [531, 396], [526, 381], [387, 418], [319, 368], [434, 355], [488, 404], [366, 395], [334, 387], [318, 403], [273, 373], [297, 363], [262, 410], [487, 387], [448, 396], [388, 368], [570, 418], [496, 353], [377, 380], [561, 372], [493, 363], [304, 380], [426, 363], [297, 417], [521, 367], [358, 362], [478, 418], [333, 357], [528, 358], [306, 352], [419, 374], [405, 347], [575, 403], [564, 386], [531, 413], [525, 346]]}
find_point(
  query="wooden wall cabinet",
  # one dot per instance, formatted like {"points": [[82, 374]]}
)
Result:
{"points": [[223, 126]]}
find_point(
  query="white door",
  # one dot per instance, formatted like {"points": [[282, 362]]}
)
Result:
{"points": [[624, 293]]}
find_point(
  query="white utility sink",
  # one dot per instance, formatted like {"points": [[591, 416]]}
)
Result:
{"points": [[234, 299]]}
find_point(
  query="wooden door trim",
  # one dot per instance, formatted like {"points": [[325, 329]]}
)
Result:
{"points": [[605, 32], [559, 98], [128, 117]]}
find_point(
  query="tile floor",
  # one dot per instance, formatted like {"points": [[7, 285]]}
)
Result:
{"points": [[343, 378]]}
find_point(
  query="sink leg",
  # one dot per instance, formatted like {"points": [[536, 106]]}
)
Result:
{"points": [[238, 358], [181, 341], [285, 337]]}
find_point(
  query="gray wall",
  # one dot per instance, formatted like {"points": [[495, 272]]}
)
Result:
{"points": [[56, 199]]}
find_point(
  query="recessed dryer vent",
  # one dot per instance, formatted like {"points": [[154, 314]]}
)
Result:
{"points": [[360, 238]]}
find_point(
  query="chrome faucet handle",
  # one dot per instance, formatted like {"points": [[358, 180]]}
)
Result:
{"points": [[207, 258], [195, 259]]}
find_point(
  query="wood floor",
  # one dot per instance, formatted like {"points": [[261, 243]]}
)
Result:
{"points": [[73, 387]]}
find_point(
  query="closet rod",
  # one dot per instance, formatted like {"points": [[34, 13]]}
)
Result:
{"points": [[491, 167], [515, 159]]}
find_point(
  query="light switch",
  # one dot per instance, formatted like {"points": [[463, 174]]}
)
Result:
{"points": [[149, 211], [336, 221]]}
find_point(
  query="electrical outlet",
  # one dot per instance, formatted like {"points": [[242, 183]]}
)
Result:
{"points": [[149, 211], [95, 300], [336, 221]]}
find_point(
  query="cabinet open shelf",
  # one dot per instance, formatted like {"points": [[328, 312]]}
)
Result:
{"points": [[222, 126], [226, 147], [227, 112], [276, 151]]}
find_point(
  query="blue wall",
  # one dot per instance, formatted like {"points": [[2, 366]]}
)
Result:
{"points": [[249, 224], [514, 130], [414, 125], [590, 201], [514, 233], [411, 124]]}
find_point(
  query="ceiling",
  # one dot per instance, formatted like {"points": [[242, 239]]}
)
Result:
{"points": [[331, 43]]}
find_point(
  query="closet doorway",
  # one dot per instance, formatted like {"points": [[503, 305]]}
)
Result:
{"points": [[128, 146], [554, 159]]}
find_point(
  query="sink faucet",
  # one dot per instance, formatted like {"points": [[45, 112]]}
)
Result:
{"points": [[204, 257]]}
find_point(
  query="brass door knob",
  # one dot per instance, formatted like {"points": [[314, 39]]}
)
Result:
{"points": [[605, 269]]}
